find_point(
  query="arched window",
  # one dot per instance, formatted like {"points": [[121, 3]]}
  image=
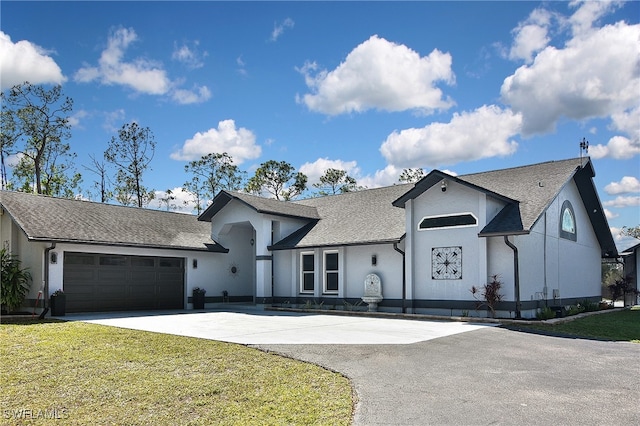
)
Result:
{"points": [[568, 222]]}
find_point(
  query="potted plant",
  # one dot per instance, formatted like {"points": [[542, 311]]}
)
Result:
{"points": [[198, 298], [58, 303]]}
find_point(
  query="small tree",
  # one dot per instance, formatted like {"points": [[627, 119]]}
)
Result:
{"points": [[621, 287], [490, 294], [411, 175], [131, 153], [210, 174], [39, 117], [279, 179], [633, 231], [336, 181], [15, 281]]}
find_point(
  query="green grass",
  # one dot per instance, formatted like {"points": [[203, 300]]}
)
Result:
{"points": [[92, 374], [618, 326]]}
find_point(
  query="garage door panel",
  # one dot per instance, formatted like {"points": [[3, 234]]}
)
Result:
{"points": [[110, 275], [144, 276], [99, 282], [80, 275]]}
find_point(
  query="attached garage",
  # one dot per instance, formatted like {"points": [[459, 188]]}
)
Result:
{"points": [[109, 282], [110, 258]]}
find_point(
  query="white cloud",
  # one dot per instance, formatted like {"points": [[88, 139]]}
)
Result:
{"points": [[140, 75], [618, 147], [469, 136], [531, 36], [627, 184], [317, 168], [24, 61], [189, 56], [278, 29], [77, 117], [385, 177], [623, 201], [197, 95], [112, 118], [239, 143], [588, 13], [610, 215], [594, 75], [379, 74]]}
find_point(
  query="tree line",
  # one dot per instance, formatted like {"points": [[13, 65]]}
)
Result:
{"points": [[35, 128]]}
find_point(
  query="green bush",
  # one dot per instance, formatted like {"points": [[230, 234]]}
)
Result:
{"points": [[589, 306], [575, 309], [15, 281], [546, 313]]}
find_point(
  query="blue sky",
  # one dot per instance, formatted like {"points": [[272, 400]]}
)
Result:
{"points": [[369, 87]]}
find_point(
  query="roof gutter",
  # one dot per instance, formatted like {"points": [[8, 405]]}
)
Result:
{"points": [[516, 275]]}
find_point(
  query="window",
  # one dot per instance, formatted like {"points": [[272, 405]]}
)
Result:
{"points": [[113, 261], [78, 259], [450, 221], [170, 262], [308, 272], [567, 222], [331, 272]]}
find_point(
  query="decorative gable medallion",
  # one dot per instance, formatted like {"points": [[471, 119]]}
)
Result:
{"points": [[446, 263]]}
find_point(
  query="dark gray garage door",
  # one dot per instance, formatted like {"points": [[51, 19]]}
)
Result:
{"points": [[107, 282]]}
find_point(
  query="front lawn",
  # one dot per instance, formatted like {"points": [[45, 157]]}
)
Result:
{"points": [[93, 374], [620, 326]]}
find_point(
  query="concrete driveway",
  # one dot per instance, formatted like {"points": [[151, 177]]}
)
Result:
{"points": [[435, 373], [250, 326]]}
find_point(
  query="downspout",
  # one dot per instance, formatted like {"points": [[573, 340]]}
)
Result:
{"points": [[272, 266], [516, 275], [404, 277], [46, 276]]}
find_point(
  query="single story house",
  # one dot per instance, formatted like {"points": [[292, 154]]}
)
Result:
{"points": [[540, 229]]}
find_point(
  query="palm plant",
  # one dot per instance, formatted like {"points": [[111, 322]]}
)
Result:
{"points": [[15, 281]]}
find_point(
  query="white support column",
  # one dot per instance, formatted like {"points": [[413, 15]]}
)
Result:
{"points": [[263, 260]]}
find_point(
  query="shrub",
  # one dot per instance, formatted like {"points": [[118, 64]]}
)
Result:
{"points": [[546, 313], [575, 309], [589, 306], [490, 294], [15, 281]]}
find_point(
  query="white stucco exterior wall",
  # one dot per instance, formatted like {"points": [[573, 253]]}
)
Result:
{"points": [[458, 199]]}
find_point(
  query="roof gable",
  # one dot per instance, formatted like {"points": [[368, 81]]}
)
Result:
{"points": [[259, 204], [44, 218], [528, 192]]}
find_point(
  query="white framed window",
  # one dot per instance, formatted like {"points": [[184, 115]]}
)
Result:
{"points": [[331, 272], [307, 272]]}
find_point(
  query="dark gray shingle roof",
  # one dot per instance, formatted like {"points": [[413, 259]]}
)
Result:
{"points": [[64, 220], [354, 218], [534, 186], [259, 204]]}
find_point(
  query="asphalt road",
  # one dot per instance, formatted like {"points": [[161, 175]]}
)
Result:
{"points": [[489, 376]]}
